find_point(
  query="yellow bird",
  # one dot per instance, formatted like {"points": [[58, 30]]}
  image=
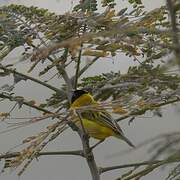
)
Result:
{"points": [[98, 124]]}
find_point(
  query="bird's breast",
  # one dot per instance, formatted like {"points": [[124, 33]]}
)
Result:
{"points": [[95, 129]]}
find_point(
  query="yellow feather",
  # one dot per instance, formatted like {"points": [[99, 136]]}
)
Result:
{"points": [[98, 125], [93, 128]]}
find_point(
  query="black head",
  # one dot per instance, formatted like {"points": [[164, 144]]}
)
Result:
{"points": [[77, 93]]}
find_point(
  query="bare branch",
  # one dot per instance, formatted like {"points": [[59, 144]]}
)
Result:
{"points": [[46, 153], [110, 168], [156, 164], [88, 65], [13, 98], [62, 71], [88, 151], [77, 68], [172, 14], [142, 111], [78, 62], [90, 158], [85, 68], [13, 71], [121, 85], [76, 153]]}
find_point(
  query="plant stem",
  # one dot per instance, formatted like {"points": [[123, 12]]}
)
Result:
{"points": [[88, 151], [90, 157], [106, 169], [78, 63], [88, 65], [48, 153], [13, 71], [13, 98], [77, 68], [172, 14], [142, 111]]}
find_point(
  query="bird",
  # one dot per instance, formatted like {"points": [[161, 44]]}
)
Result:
{"points": [[99, 123]]}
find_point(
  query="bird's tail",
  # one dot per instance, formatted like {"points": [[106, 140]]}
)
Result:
{"points": [[125, 139]]}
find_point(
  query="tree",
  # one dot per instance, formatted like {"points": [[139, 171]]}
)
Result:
{"points": [[60, 41]]}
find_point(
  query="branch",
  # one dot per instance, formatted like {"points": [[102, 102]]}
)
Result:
{"points": [[85, 68], [120, 85], [106, 169], [13, 71], [62, 71], [172, 13], [48, 153], [88, 151], [88, 65], [78, 63], [151, 167], [90, 158], [142, 111], [14, 98], [75, 153], [157, 163], [26, 24], [77, 68]]}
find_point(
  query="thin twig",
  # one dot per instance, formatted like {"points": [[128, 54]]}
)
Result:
{"points": [[12, 98], [110, 168], [142, 111], [79, 62], [48, 153], [98, 143], [65, 76], [82, 125], [75, 153], [88, 151], [88, 65], [13, 71], [60, 69], [172, 14], [77, 68], [144, 163]]}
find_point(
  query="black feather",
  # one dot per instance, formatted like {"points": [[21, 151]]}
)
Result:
{"points": [[76, 94]]}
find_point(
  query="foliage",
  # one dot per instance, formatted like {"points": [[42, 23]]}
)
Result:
{"points": [[56, 42]]}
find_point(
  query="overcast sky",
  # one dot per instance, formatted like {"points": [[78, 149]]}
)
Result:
{"points": [[107, 154]]}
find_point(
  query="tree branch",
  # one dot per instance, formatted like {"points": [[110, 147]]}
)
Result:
{"points": [[88, 65], [13, 71], [144, 163], [142, 111], [75, 81], [90, 158], [48, 153], [172, 13], [77, 68], [110, 168], [14, 98], [150, 168], [88, 151], [62, 71], [85, 68], [120, 85]]}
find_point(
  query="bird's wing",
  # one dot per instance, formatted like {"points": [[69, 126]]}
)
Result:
{"points": [[107, 118], [103, 118]]}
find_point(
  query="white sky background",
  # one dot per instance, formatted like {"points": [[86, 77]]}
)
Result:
{"points": [[75, 168]]}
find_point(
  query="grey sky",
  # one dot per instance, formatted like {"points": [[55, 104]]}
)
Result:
{"points": [[75, 168]]}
